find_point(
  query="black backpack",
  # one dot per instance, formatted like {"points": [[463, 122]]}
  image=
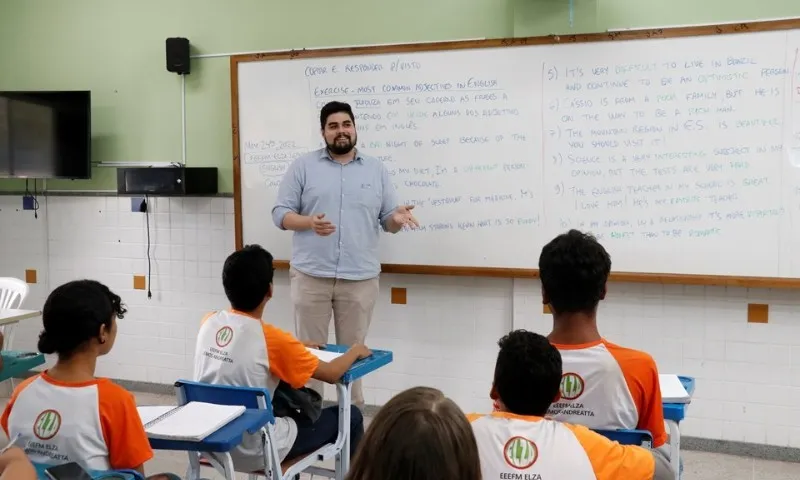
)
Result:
{"points": [[304, 405]]}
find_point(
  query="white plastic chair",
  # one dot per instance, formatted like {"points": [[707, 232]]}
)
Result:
{"points": [[12, 293]]}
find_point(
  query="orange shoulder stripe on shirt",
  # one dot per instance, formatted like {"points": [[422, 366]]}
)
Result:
{"points": [[123, 431], [7, 411], [641, 376], [471, 417], [612, 461]]}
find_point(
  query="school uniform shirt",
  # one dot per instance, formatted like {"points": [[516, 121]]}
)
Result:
{"points": [[93, 423], [516, 447], [234, 348], [605, 386]]}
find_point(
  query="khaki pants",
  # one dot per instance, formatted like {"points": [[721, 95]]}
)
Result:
{"points": [[352, 303]]}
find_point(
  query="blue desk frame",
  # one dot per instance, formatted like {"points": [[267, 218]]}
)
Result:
{"points": [[223, 440], [361, 368], [378, 359], [253, 420]]}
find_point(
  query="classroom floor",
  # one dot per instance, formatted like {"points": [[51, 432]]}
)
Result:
{"points": [[697, 465]]}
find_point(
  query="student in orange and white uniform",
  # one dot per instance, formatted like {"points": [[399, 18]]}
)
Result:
{"points": [[603, 385], [234, 347], [65, 414], [518, 441]]}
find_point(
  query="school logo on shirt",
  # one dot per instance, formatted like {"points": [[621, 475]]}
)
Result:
{"points": [[520, 453], [224, 336], [47, 425], [571, 386]]}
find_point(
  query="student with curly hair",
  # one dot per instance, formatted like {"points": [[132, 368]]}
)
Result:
{"points": [[517, 439], [603, 385]]}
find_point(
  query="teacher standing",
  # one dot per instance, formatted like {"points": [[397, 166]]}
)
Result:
{"points": [[336, 200]]}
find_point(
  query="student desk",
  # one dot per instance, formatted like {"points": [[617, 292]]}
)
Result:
{"points": [[361, 368], [10, 317], [223, 440], [16, 363], [674, 413], [228, 437]]}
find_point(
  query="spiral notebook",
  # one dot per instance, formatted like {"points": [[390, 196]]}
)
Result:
{"points": [[192, 422]]}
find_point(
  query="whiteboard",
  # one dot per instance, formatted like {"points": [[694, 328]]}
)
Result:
{"points": [[682, 155]]}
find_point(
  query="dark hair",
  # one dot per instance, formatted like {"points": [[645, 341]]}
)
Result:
{"points": [[574, 269], [527, 374], [73, 314], [334, 107], [419, 434], [247, 276]]}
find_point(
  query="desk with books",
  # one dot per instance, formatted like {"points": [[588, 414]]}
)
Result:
{"points": [[676, 403], [361, 368], [252, 420], [676, 394]]}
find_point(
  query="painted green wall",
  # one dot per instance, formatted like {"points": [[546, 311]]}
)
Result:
{"points": [[116, 49]]}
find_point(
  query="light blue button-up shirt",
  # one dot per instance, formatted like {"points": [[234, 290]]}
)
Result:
{"points": [[357, 198]]}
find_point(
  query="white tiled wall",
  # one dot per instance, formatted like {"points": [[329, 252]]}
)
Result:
{"points": [[748, 374]]}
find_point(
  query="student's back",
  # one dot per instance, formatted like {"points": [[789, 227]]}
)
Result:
{"points": [[546, 448], [517, 441], [94, 423], [603, 385], [66, 414], [234, 347], [607, 386]]}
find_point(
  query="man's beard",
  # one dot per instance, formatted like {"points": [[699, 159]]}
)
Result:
{"points": [[340, 147]]}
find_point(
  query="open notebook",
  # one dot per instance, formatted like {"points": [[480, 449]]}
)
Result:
{"points": [[672, 390], [191, 422], [324, 355]]}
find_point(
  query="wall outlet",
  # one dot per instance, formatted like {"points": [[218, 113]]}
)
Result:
{"points": [[136, 204], [28, 203]]}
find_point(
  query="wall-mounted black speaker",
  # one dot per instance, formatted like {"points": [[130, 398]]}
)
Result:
{"points": [[178, 60]]}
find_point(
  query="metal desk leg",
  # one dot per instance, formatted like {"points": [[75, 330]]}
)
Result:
{"points": [[343, 456], [227, 466], [193, 470], [674, 447], [221, 462]]}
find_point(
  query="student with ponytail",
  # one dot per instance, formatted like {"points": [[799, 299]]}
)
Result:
{"points": [[76, 416]]}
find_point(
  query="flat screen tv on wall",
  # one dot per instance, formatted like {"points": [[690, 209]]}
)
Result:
{"points": [[45, 134]]}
